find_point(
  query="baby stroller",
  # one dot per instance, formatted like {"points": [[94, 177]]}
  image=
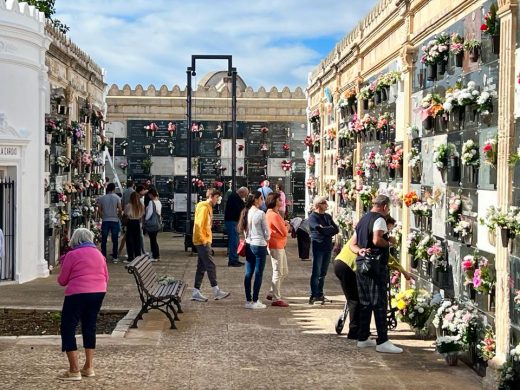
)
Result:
{"points": [[391, 321]]}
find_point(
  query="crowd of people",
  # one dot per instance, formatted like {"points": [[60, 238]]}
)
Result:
{"points": [[361, 266]]}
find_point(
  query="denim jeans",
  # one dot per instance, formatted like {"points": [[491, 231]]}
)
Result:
{"points": [[231, 228], [255, 262], [113, 228], [320, 265]]}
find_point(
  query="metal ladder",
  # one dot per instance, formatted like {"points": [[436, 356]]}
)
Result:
{"points": [[114, 171]]}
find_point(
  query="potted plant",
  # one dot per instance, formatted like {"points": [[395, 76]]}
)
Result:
{"points": [[147, 165], [436, 52], [491, 27], [472, 46], [457, 49], [415, 163], [431, 106], [449, 347], [440, 159]]}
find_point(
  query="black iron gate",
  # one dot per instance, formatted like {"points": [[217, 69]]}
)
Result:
{"points": [[8, 226]]}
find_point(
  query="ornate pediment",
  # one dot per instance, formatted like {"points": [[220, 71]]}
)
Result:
{"points": [[7, 131]]}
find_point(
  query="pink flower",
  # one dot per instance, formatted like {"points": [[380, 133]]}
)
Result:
{"points": [[448, 317], [477, 281]]}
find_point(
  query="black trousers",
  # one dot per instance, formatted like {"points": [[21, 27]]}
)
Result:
{"points": [[133, 239], [373, 298], [304, 243], [76, 308], [348, 282], [153, 244]]}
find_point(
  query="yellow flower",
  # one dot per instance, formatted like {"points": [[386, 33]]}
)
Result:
{"points": [[401, 305]]}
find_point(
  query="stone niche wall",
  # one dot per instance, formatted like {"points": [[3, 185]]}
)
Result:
{"points": [[367, 53]]}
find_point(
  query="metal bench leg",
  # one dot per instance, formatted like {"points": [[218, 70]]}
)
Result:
{"points": [[138, 317], [175, 316], [178, 305], [172, 322]]}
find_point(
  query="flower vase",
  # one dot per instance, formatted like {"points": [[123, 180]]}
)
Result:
{"points": [[352, 109], [495, 43], [467, 239], [471, 173], [442, 67], [431, 72], [452, 358], [474, 54], [490, 307], [365, 104], [384, 94], [378, 97], [459, 59], [417, 220], [505, 235], [427, 124]]}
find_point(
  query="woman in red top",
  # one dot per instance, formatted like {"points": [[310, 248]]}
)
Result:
{"points": [[279, 231]]}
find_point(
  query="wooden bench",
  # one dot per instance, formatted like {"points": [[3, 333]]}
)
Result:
{"points": [[163, 297]]}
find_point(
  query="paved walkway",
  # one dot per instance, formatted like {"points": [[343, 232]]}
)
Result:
{"points": [[221, 345]]}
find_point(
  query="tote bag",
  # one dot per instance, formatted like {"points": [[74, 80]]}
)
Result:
{"points": [[241, 250], [153, 224]]}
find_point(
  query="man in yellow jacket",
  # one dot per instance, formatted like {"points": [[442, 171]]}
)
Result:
{"points": [[202, 239]]}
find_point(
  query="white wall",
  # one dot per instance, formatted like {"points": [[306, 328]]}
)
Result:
{"points": [[23, 97]]}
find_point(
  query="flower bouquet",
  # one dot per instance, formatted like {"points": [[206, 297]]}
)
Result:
{"points": [[366, 195], [478, 273], [457, 48], [311, 183], [240, 147], [171, 128], [472, 46], [366, 94], [285, 146], [264, 130], [197, 183], [360, 170], [436, 256], [454, 208], [264, 147], [491, 27], [346, 222], [410, 198], [413, 307], [123, 164], [413, 239], [431, 106], [490, 151], [435, 52], [308, 141], [484, 102], [311, 161], [287, 165], [486, 348], [470, 155], [449, 347], [151, 129], [463, 229]]}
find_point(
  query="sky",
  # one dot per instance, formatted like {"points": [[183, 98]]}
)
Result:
{"points": [[273, 42]]}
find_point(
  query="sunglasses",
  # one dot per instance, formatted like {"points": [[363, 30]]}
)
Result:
{"points": [[324, 202]]}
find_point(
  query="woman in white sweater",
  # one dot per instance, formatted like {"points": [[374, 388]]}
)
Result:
{"points": [[154, 206], [254, 226]]}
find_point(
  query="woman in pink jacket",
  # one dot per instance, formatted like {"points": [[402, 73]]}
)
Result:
{"points": [[84, 273]]}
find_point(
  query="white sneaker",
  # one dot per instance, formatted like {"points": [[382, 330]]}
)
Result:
{"points": [[388, 347], [367, 343], [220, 295], [153, 260], [249, 305], [196, 295], [258, 305]]}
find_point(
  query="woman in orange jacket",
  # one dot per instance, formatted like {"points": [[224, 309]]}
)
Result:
{"points": [[279, 231]]}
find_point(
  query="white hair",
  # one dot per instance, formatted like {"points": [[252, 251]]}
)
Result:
{"points": [[80, 236]]}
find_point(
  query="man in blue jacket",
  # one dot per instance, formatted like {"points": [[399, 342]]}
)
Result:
{"points": [[322, 229]]}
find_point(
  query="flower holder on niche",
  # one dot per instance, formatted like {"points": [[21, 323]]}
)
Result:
{"points": [[452, 358], [459, 59], [471, 174], [378, 97], [384, 94], [365, 104], [431, 72], [442, 67], [427, 124], [505, 235], [492, 237], [474, 54], [495, 43]]}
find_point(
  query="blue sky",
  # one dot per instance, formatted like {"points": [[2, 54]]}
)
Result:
{"points": [[273, 42]]}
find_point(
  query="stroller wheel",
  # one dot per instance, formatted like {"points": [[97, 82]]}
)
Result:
{"points": [[391, 323], [341, 320], [340, 324]]}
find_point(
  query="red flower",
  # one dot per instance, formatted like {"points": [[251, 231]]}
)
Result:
{"points": [[487, 148], [484, 27]]}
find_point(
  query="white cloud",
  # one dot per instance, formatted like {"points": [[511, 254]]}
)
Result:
{"points": [[151, 42]]}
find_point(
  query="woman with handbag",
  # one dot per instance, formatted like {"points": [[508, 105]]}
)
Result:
{"points": [[134, 212], [254, 226], [153, 213]]}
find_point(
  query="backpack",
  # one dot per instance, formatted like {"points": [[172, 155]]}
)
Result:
{"points": [[154, 223]]}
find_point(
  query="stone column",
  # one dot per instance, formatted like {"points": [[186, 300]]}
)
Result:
{"points": [[23, 74], [507, 13], [407, 80]]}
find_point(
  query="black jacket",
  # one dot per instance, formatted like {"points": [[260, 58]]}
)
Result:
{"points": [[234, 207]]}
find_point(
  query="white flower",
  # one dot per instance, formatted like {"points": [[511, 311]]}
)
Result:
{"points": [[472, 85]]}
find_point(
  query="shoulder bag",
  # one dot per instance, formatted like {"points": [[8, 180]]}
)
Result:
{"points": [[153, 224]]}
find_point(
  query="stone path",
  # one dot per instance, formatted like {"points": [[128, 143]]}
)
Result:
{"points": [[221, 345]]}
